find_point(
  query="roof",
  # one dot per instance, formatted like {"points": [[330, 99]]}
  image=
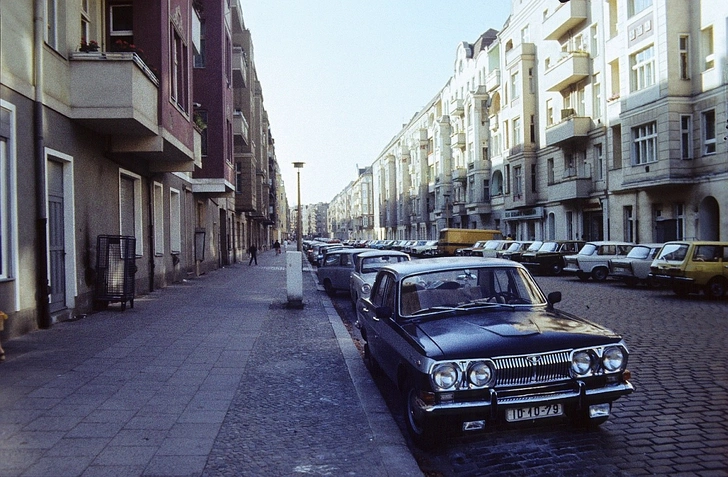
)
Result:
{"points": [[448, 263]]}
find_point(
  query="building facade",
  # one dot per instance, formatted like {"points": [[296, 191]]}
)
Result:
{"points": [[103, 126], [587, 119]]}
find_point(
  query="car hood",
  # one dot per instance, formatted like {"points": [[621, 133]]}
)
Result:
{"points": [[499, 333]]}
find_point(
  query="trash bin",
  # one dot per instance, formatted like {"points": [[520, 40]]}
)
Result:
{"points": [[115, 270]]}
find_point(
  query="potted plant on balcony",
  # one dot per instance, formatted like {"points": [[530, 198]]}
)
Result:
{"points": [[88, 47]]}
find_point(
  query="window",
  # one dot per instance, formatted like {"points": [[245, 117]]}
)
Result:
{"points": [[179, 66], [628, 224], [532, 129], [680, 222], [518, 181], [202, 114], [85, 21], [200, 57], [570, 225], [599, 161], [130, 207], [51, 34], [549, 112], [121, 23], [8, 218], [594, 36], [708, 132], [175, 221], [486, 189], [238, 177], [636, 6], [684, 52], [550, 170], [644, 144], [515, 86], [617, 147], [686, 136], [507, 180], [525, 35], [517, 134], [533, 177], [597, 96], [707, 48], [158, 207], [642, 64]]}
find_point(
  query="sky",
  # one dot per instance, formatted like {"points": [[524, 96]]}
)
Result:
{"points": [[341, 77]]}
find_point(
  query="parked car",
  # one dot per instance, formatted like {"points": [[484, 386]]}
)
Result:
{"points": [[593, 259], [336, 267], [692, 267], [634, 268], [468, 251], [492, 247], [517, 249], [366, 266], [471, 343], [325, 249], [549, 258], [422, 250]]}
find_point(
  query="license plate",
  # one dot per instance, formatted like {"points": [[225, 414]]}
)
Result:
{"points": [[535, 412]]}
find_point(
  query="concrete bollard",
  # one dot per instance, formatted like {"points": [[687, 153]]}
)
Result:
{"points": [[294, 279]]}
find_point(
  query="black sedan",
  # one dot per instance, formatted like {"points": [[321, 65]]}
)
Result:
{"points": [[471, 342]]}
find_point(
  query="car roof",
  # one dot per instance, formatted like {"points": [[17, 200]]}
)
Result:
{"points": [[351, 250], [379, 253], [447, 263]]}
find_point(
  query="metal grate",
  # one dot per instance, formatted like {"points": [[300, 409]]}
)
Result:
{"points": [[532, 369]]}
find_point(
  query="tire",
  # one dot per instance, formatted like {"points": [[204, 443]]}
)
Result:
{"points": [[424, 432], [715, 288], [329, 288], [555, 269], [582, 276], [600, 274]]}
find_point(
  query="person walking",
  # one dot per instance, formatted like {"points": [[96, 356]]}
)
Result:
{"points": [[253, 251], [3, 317], [277, 246]]}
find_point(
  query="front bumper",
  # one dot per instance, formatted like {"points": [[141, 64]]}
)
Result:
{"points": [[577, 398]]}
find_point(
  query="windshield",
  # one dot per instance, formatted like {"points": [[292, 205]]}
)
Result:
{"points": [[673, 252], [549, 247], [639, 252], [372, 264], [534, 246], [467, 289], [588, 249], [514, 247], [491, 244]]}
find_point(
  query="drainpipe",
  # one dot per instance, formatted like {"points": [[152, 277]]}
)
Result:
{"points": [[151, 233], [41, 217]]}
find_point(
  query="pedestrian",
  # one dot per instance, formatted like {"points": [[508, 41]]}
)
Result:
{"points": [[3, 317], [253, 251], [277, 246]]}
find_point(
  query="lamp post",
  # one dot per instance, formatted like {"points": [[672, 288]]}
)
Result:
{"points": [[298, 166]]}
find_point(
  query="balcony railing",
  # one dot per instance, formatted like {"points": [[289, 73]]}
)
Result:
{"points": [[240, 127], [570, 69], [240, 68], [456, 107], [457, 139], [564, 18], [493, 80], [568, 130]]}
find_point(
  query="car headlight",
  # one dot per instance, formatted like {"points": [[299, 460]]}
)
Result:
{"points": [[480, 374], [445, 376], [366, 288], [581, 362], [613, 358]]}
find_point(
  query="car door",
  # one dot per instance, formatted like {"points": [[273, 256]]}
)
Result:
{"points": [[378, 328]]}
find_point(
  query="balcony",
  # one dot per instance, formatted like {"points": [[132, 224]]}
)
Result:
{"points": [[127, 104], [566, 17], [236, 22], [456, 107], [457, 140], [240, 68], [571, 69], [493, 81], [570, 129], [240, 127], [459, 174], [519, 52], [571, 187]]}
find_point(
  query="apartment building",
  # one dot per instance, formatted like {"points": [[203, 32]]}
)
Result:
{"points": [[102, 133], [587, 119]]}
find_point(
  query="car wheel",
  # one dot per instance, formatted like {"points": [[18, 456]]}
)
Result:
{"points": [[715, 288], [600, 274], [555, 269], [582, 276], [370, 362], [329, 288], [422, 430]]}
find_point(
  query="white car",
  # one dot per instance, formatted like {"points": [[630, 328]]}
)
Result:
{"points": [[593, 259], [421, 250], [366, 266]]}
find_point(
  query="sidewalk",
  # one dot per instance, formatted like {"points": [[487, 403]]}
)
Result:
{"points": [[211, 377]]}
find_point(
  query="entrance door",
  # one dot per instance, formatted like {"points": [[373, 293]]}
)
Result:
{"points": [[56, 237]]}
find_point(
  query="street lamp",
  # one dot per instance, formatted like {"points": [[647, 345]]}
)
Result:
{"points": [[299, 166]]}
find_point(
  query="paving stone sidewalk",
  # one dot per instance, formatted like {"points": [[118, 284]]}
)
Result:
{"points": [[214, 376]]}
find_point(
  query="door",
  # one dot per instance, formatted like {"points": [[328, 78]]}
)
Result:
{"points": [[56, 237]]}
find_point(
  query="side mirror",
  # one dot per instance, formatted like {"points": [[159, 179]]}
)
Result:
{"points": [[553, 298], [383, 312]]}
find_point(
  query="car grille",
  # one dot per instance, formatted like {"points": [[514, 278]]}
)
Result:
{"points": [[532, 369]]}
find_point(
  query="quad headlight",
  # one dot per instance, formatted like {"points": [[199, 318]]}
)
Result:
{"points": [[582, 362], [598, 361], [445, 376], [450, 376], [613, 359], [480, 374]]}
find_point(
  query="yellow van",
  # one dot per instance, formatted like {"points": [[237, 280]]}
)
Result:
{"points": [[452, 239], [693, 266]]}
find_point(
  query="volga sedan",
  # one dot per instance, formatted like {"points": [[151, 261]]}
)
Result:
{"points": [[471, 342]]}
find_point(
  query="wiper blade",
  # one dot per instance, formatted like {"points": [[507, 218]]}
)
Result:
{"points": [[485, 303], [433, 308]]}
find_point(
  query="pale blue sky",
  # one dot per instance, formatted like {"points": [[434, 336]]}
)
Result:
{"points": [[341, 77]]}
